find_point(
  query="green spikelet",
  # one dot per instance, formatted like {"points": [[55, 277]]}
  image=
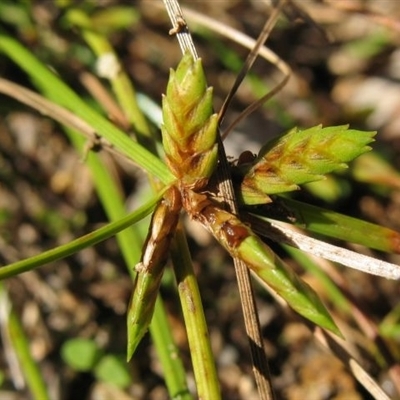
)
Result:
{"points": [[299, 157], [189, 127], [239, 240]]}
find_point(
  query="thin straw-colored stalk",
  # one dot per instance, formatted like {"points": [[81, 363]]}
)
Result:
{"points": [[196, 326], [225, 187]]}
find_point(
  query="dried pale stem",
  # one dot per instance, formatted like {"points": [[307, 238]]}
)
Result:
{"points": [[59, 114], [362, 376], [98, 91], [180, 27], [268, 26], [285, 233], [338, 287], [151, 268], [46, 107], [367, 326]]}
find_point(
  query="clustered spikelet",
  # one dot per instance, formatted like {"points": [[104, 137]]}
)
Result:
{"points": [[300, 157], [189, 127], [189, 133]]}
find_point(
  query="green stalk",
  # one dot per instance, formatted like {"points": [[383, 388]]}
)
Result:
{"points": [[90, 239], [121, 84], [196, 327], [128, 240], [20, 345], [168, 353]]}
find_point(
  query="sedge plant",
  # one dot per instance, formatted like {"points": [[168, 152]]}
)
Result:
{"points": [[189, 139]]}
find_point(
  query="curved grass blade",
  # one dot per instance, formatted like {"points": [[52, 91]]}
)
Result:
{"points": [[242, 243], [189, 130], [63, 95], [299, 156], [151, 268], [78, 244]]}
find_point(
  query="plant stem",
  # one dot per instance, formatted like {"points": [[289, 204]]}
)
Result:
{"points": [[196, 327], [167, 350], [78, 244]]}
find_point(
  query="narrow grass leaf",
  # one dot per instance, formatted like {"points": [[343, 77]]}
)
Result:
{"points": [[16, 344], [60, 93], [331, 224], [202, 356], [78, 244], [162, 335]]}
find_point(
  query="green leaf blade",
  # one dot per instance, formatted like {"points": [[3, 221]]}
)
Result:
{"points": [[338, 226], [78, 244], [63, 95]]}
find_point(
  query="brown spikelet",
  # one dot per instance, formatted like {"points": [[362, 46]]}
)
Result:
{"points": [[189, 125]]}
